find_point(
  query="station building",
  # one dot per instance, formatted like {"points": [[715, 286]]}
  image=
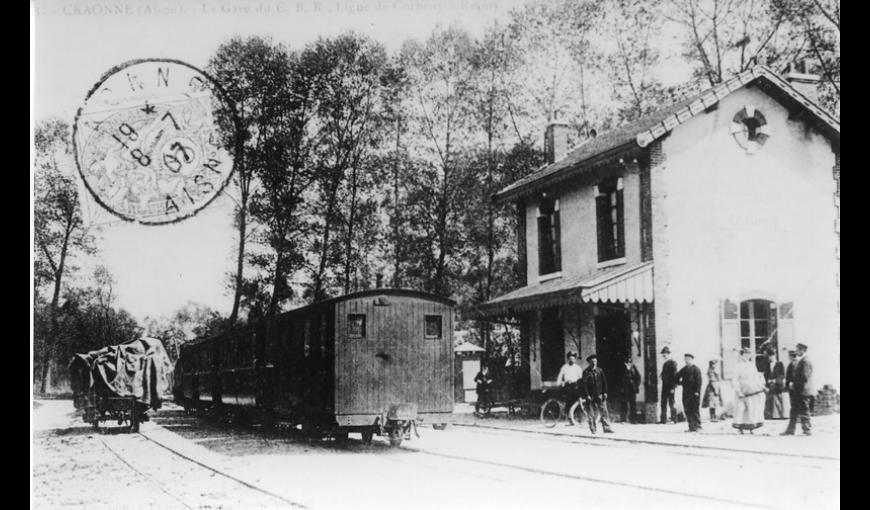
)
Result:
{"points": [[707, 226]]}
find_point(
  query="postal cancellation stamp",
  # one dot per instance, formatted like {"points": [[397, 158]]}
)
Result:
{"points": [[147, 143]]}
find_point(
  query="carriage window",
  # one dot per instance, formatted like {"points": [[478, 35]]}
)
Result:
{"points": [[356, 325], [433, 326]]}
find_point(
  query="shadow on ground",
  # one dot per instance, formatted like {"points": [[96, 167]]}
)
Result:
{"points": [[233, 440]]}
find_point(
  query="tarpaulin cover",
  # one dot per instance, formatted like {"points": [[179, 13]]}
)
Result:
{"points": [[139, 368]]}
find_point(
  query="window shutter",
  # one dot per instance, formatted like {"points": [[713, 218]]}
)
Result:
{"points": [[620, 224], [543, 244], [730, 331], [557, 242], [785, 328], [603, 220]]}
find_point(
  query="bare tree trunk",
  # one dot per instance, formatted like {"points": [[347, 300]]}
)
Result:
{"points": [[240, 259], [397, 218], [348, 249], [55, 300]]}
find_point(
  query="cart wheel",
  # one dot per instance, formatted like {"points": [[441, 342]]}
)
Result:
{"points": [[551, 412], [395, 436], [576, 414], [367, 436]]}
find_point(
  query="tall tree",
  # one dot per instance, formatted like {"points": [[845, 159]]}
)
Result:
{"points": [[440, 72], [724, 37], [241, 66], [352, 73], [629, 52], [59, 230], [817, 24]]}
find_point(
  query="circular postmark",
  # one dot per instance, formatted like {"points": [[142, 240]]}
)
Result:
{"points": [[147, 142]]}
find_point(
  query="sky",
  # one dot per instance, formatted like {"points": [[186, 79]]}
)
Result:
{"points": [[74, 42], [160, 268]]}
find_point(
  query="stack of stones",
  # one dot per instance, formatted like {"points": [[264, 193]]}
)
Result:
{"points": [[827, 401]]}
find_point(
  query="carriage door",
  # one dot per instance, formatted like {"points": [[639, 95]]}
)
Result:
{"points": [[612, 341]]}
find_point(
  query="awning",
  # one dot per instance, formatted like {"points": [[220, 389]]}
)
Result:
{"points": [[620, 284]]}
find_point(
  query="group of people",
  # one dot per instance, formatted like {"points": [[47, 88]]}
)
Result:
{"points": [[758, 394]]}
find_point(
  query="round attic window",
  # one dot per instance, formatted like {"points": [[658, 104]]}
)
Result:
{"points": [[750, 129]]}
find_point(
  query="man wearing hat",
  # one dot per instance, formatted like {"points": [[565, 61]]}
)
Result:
{"points": [[594, 389], [801, 391], [669, 379], [690, 378], [629, 385]]}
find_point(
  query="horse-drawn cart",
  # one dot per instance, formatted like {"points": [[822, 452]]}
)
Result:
{"points": [[120, 383]]}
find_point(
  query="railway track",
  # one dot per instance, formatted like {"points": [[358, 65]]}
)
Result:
{"points": [[193, 483], [440, 458], [673, 448]]}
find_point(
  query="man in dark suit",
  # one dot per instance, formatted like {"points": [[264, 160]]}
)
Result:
{"points": [[669, 379], [629, 385], [801, 391], [594, 390], [690, 378]]}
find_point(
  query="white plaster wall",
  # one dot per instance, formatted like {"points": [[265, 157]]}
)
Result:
{"points": [[740, 226], [579, 234]]}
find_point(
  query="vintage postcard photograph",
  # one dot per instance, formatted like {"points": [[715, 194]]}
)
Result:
{"points": [[435, 254]]}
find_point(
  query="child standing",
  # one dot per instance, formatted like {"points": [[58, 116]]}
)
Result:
{"points": [[712, 394]]}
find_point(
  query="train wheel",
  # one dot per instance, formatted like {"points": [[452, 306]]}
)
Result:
{"points": [[551, 412], [367, 436], [395, 436]]}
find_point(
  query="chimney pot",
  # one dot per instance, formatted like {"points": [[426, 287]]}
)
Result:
{"points": [[556, 141], [805, 83]]}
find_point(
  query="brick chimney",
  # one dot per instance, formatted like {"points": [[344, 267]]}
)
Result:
{"points": [[805, 83], [556, 141]]}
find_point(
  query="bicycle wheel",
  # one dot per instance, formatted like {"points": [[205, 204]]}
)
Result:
{"points": [[551, 412], [577, 415]]}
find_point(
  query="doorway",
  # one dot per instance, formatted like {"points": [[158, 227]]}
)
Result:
{"points": [[552, 344], [612, 340]]}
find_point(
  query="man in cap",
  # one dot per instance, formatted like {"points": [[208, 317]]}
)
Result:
{"points": [[669, 379], [690, 378], [594, 389], [629, 385], [801, 391], [569, 380]]}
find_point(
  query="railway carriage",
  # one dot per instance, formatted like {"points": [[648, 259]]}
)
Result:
{"points": [[374, 362]]}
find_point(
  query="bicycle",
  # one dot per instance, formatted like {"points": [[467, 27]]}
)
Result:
{"points": [[553, 411]]}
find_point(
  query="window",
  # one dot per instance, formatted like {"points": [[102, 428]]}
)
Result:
{"points": [[610, 216], [356, 325], [758, 327], [433, 326], [549, 249]]}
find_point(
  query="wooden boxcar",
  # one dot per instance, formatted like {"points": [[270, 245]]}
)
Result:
{"points": [[373, 362]]}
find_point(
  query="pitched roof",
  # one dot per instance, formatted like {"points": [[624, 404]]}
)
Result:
{"points": [[640, 133]]}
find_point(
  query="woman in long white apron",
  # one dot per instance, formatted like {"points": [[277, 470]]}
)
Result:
{"points": [[750, 387]]}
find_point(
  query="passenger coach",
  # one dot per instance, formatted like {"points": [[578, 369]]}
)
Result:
{"points": [[373, 362]]}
